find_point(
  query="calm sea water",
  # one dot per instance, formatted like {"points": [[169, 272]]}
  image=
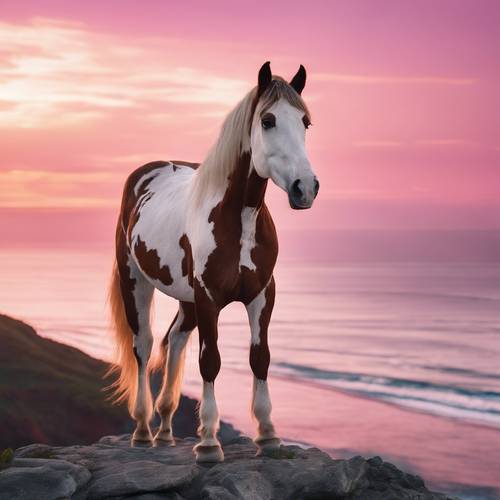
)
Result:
{"points": [[425, 337]]}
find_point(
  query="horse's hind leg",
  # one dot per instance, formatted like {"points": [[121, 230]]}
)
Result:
{"points": [[174, 345], [137, 295], [259, 314]]}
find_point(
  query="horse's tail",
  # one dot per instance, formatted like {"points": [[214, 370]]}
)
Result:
{"points": [[125, 386]]}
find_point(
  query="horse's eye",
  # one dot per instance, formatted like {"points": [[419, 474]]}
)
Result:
{"points": [[268, 121], [306, 122]]}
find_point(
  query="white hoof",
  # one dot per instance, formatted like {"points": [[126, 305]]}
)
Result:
{"points": [[208, 454]]}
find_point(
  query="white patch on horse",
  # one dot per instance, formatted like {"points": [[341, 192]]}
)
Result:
{"points": [[201, 234], [142, 295], [254, 310], [142, 342], [280, 153], [261, 400], [144, 178], [209, 416], [161, 224], [248, 223], [261, 408]]}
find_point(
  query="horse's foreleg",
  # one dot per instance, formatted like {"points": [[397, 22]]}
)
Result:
{"points": [[259, 314], [175, 344], [209, 448]]}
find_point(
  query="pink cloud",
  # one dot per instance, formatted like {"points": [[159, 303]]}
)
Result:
{"points": [[87, 94], [53, 70]]}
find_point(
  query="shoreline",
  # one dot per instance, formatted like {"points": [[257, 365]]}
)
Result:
{"points": [[392, 404]]}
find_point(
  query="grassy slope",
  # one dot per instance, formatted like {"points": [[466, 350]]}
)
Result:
{"points": [[52, 393]]}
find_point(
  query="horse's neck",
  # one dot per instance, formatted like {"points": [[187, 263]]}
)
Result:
{"points": [[245, 188]]}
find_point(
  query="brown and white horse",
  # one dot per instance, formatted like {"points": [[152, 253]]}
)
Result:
{"points": [[203, 235]]}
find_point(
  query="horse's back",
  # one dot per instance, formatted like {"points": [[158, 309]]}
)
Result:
{"points": [[153, 217]]}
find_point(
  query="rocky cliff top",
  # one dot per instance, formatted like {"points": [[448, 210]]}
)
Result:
{"points": [[112, 469]]}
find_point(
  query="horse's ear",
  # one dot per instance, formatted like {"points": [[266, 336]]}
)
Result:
{"points": [[265, 78], [298, 82]]}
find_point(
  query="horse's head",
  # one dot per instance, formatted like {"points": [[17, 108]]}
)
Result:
{"points": [[278, 135]]}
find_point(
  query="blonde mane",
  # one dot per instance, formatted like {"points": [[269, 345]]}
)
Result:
{"points": [[234, 137]]}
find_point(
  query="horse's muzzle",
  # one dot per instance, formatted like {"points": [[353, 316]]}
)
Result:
{"points": [[301, 194]]}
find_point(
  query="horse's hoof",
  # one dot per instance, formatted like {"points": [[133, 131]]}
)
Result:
{"points": [[269, 447], [208, 454], [141, 438], [164, 438]]}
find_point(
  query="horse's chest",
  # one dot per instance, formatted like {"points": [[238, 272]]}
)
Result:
{"points": [[243, 257]]}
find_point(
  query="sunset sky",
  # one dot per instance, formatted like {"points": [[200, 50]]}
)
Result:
{"points": [[404, 98]]}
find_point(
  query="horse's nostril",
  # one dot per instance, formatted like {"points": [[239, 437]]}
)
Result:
{"points": [[316, 187], [297, 192]]}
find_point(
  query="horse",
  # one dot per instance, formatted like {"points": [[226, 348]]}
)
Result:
{"points": [[202, 234]]}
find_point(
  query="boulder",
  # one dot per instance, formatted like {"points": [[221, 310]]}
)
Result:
{"points": [[112, 469]]}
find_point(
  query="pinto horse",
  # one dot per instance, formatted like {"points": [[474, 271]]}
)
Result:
{"points": [[203, 235]]}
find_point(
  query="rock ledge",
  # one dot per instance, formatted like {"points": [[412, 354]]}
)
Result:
{"points": [[111, 469]]}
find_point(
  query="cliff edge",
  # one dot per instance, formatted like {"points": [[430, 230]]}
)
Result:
{"points": [[111, 469]]}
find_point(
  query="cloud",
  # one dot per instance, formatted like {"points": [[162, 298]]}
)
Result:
{"points": [[445, 142], [44, 189], [388, 144], [127, 160], [391, 80], [54, 73], [55, 177], [378, 144]]}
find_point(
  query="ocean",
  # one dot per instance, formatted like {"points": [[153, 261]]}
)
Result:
{"points": [[421, 339]]}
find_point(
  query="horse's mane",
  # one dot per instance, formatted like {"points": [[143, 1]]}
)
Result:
{"points": [[234, 137]]}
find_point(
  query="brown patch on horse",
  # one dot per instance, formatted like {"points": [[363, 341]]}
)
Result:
{"points": [[127, 283], [187, 260], [207, 314], [180, 163], [149, 261], [256, 189], [129, 198], [263, 255], [164, 342], [127, 218], [222, 275], [259, 353], [188, 324]]}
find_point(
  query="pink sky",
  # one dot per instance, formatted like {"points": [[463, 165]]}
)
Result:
{"points": [[404, 99]]}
